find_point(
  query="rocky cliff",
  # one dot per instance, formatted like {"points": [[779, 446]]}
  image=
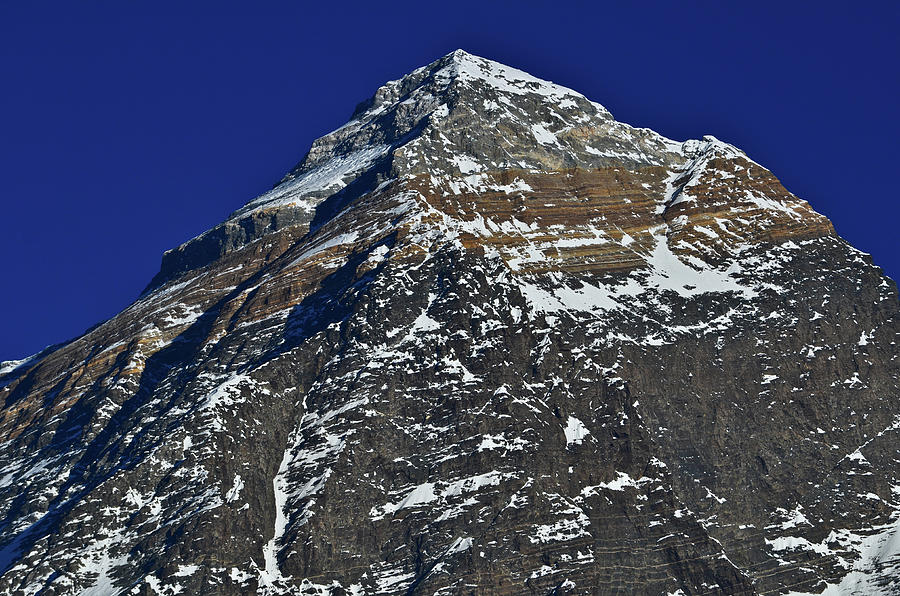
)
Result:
{"points": [[483, 339]]}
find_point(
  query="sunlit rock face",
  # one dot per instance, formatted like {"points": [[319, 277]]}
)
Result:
{"points": [[483, 339]]}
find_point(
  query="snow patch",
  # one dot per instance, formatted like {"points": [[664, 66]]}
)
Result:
{"points": [[575, 431]]}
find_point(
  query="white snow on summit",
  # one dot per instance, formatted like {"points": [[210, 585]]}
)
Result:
{"points": [[468, 67]]}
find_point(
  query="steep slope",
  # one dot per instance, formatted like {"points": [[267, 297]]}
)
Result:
{"points": [[482, 339]]}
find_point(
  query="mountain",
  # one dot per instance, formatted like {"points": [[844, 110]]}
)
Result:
{"points": [[482, 339]]}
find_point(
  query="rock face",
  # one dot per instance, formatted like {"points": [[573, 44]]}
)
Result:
{"points": [[483, 339]]}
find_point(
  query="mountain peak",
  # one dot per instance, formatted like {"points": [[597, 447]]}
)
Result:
{"points": [[462, 77], [485, 339], [462, 114], [460, 55], [461, 122], [463, 66]]}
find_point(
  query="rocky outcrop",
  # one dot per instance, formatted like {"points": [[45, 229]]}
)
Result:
{"points": [[483, 339]]}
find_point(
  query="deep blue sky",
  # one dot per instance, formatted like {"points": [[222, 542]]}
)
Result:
{"points": [[129, 127]]}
